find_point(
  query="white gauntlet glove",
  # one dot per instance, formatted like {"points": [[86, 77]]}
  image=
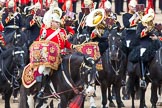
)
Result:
{"points": [[43, 34]]}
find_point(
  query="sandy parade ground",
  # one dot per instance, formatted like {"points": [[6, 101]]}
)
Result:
{"points": [[98, 98]]}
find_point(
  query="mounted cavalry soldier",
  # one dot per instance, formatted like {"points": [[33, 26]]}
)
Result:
{"points": [[148, 45], [69, 18], [130, 22], [87, 6], [2, 9], [33, 22], [11, 20], [45, 53], [103, 19]]}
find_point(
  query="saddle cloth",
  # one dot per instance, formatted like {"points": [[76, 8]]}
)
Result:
{"points": [[45, 53], [91, 49], [30, 76]]}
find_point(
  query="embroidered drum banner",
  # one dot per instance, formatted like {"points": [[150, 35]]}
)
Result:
{"points": [[91, 49], [45, 53]]}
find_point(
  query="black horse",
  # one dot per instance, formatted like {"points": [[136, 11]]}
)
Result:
{"points": [[155, 69], [75, 72], [114, 68], [11, 64]]}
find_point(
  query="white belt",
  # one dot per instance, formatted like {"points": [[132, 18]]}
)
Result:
{"points": [[132, 28], [12, 26]]}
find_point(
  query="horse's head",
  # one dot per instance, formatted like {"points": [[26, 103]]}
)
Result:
{"points": [[20, 38], [18, 57], [88, 73], [80, 38], [83, 38], [114, 42]]}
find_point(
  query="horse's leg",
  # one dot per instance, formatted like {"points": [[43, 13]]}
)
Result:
{"points": [[92, 102], [63, 102], [142, 98], [7, 97], [111, 103], [23, 98], [43, 103], [130, 86], [30, 101], [118, 97], [104, 94], [154, 96]]}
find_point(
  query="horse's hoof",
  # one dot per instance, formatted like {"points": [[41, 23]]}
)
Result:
{"points": [[159, 104], [59, 106], [122, 104], [153, 106], [111, 104], [125, 97], [15, 100], [93, 107], [113, 97]]}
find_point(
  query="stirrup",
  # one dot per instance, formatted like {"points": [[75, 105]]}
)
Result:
{"points": [[143, 83], [148, 73], [40, 94]]}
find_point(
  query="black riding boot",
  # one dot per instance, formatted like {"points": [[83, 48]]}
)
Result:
{"points": [[45, 81], [142, 81]]}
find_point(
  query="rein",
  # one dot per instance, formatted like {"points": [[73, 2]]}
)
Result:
{"points": [[115, 69], [59, 93], [4, 68], [83, 65], [160, 61]]}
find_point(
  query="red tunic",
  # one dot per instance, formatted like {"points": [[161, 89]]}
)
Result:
{"points": [[59, 38], [24, 2], [61, 1]]}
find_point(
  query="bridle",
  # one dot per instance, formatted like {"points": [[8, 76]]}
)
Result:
{"points": [[16, 67], [116, 63]]}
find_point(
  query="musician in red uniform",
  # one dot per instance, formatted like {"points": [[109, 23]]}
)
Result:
{"points": [[69, 15], [59, 33], [55, 34]]}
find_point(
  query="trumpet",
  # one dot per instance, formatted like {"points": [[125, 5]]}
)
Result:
{"points": [[38, 20]]}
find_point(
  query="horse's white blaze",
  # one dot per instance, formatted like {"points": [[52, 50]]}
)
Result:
{"points": [[18, 52], [89, 78], [30, 101], [90, 91], [113, 38], [46, 104]]}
